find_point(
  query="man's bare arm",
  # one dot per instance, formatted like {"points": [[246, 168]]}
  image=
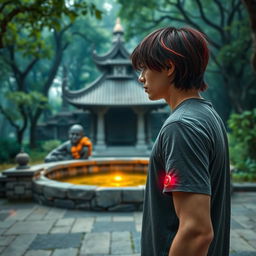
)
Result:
{"points": [[195, 231]]}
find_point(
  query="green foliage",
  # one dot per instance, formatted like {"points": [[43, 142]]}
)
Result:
{"points": [[226, 25], [34, 35], [34, 16], [34, 98], [243, 128], [238, 176], [242, 141], [78, 58], [49, 145], [9, 148], [236, 49], [29, 101]]}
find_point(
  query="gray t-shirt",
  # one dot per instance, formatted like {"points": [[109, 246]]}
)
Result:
{"points": [[190, 155]]}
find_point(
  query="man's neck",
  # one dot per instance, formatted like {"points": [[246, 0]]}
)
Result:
{"points": [[176, 96]]}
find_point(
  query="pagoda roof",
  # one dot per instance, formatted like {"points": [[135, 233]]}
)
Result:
{"points": [[117, 86], [117, 54], [111, 92]]}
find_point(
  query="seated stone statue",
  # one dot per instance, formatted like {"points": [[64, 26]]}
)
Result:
{"points": [[77, 147]]}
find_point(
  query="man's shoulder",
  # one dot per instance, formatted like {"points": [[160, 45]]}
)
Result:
{"points": [[174, 118], [198, 115]]}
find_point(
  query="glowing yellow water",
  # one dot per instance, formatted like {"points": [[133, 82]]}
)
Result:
{"points": [[118, 179]]}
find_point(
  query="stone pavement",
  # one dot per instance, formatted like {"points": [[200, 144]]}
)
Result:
{"points": [[29, 229]]}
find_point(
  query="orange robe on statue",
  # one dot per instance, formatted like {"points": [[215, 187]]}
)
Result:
{"points": [[76, 150]]}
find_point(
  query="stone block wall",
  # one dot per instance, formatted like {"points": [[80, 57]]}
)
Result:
{"points": [[19, 189], [2, 185], [17, 183], [70, 196]]}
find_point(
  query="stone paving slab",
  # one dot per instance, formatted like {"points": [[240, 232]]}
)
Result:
{"points": [[19, 214], [247, 234], [123, 218], [19, 246], [113, 226], [235, 224], [54, 213], [39, 213], [3, 216], [62, 252], [6, 240], [238, 244], [56, 241], [6, 224], [29, 229], [136, 241], [65, 222], [63, 229], [253, 243], [121, 243], [38, 253], [82, 214], [96, 243], [137, 254], [103, 218], [1, 249], [83, 225]]}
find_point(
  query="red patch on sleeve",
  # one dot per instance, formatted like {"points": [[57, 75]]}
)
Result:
{"points": [[169, 181]]}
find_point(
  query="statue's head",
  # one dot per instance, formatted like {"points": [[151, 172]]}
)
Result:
{"points": [[76, 133]]}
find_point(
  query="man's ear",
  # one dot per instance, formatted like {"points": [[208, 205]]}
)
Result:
{"points": [[171, 69]]}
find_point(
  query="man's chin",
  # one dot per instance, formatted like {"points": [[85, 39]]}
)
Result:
{"points": [[151, 97]]}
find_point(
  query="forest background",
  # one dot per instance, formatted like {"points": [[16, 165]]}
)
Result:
{"points": [[41, 41]]}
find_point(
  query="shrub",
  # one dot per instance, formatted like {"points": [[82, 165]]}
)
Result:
{"points": [[50, 145], [9, 148], [242, 141]]}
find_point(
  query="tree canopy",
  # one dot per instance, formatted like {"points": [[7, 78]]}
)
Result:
{"points": [[34, 36], [226, 25], [251, 7], [36, 15]]}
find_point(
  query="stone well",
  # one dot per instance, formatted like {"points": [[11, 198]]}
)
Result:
{"points": [[46, 190]]}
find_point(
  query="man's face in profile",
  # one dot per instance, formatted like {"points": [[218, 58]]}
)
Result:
{"points": [[75, 135], [156, 83]]}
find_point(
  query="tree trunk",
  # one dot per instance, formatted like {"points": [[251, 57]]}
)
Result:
{"points": [[32, 129], [251, 7], [52, 73], [239, 98], [32, 136], [19, 136], [235, 101]]}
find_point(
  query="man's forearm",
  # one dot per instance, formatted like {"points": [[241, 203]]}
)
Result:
{"points": [[186, 243]]}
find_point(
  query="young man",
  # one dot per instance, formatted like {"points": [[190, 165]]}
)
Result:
{"points": [[187, 198]]}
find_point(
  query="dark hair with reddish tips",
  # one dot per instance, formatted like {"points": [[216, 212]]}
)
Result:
{"points": [[185, 48]]}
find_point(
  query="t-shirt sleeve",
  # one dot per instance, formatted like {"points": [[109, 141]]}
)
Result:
{"points": [[185, 155]]}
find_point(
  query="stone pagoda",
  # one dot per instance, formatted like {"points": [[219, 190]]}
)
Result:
{"points": [[117, 102]]}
